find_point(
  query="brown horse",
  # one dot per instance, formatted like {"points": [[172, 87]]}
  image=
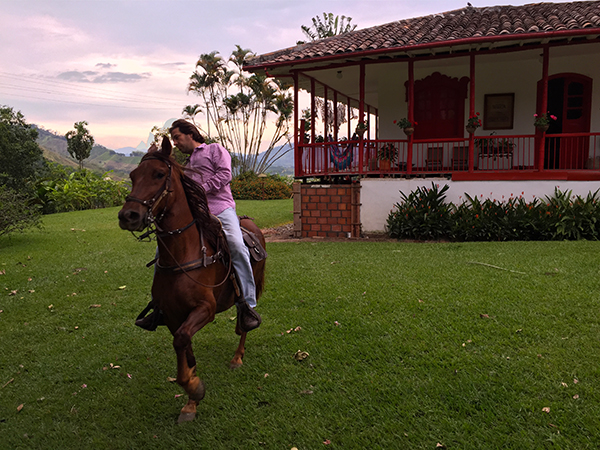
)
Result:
{"points": [[193, 280]]}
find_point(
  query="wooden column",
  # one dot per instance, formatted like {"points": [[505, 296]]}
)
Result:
{"points": [[472, 111], [411, 103], [541, 135]]}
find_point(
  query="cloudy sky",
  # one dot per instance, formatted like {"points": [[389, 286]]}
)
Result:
{"points": [[123, 65]]}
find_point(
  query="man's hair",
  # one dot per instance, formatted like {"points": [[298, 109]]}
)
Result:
{"points": [[187, 128]]}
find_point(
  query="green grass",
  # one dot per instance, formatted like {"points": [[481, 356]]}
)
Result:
{"points": [[410, 345], [266, 214]]}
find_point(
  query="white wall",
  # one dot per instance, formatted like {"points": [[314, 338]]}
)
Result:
{"points": [[379, 195], [500, 73]]}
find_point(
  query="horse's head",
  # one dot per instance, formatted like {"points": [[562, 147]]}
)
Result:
{"points": [[150, 186]]}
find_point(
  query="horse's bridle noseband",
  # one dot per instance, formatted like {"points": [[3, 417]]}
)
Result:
{"points": [[151, 204]]}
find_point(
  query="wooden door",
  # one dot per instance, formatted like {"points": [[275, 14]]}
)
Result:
{"points": [[569, 99], [439, 106]]}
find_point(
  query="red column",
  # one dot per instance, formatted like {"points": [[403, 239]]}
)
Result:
{"points": [[361, 116], [541, 139], [297, 149], [472, 111], [411, 106]]}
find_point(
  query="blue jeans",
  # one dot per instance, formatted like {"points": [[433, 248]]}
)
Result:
{"points": [[240, 256]]}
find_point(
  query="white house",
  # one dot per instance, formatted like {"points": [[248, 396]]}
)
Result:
{"points": [[501, 65]]}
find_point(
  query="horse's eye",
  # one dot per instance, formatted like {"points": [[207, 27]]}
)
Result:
{"points": [[160, 175]]}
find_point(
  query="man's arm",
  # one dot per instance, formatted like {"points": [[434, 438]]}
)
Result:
{"points": [[221, 162]]}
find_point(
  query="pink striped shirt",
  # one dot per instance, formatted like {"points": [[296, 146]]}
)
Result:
{"points": [[212, 170]]}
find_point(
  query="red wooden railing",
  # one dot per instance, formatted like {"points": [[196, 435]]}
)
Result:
{"points": [[517, 154]]}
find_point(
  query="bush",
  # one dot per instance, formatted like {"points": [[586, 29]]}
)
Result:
{"points": [[62, 191], [249, 186], [16, 211], [423, 214]]}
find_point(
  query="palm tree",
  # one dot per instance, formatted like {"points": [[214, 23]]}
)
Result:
{"points": [[330, 26]]}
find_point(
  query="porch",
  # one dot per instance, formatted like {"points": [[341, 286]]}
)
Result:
{"points": [[566, 156]]}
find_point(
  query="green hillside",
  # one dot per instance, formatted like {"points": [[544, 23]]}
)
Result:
{"points": [[101, 159]]}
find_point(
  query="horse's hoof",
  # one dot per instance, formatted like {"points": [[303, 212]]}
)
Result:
{"points": [[186, 417], [235, 365]]}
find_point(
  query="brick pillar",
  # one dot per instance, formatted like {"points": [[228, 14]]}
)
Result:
{"points": [[297, 194]]}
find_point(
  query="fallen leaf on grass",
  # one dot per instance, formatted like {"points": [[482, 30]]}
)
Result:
{"points": [[300, 355], [3, 272], [576, 396], [8, 382], [438, 445], [94, 306], [122, 287], [13, 292], [171, 379], [178, 395], [20, 407], [484, 316], [575, 380], [306, 392], [326, 442], [563, 384], [546, 409]]}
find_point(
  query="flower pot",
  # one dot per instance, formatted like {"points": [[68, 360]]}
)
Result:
{"points": [[543, 128], [385, 164], [409, 130], [470, 129]]}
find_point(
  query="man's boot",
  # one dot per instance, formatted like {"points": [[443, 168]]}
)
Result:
{"points": [[152, 320], [247, 318]]}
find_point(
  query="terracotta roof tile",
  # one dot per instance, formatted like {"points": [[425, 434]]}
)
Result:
{"points": [[485, 23]]}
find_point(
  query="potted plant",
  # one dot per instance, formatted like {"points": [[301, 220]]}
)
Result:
{"points": [[473, 123], [387, 155], [361, 127], [406, 125], [542, 121]]}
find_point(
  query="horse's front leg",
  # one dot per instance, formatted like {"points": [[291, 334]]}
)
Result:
{"points": [[186, 363]]}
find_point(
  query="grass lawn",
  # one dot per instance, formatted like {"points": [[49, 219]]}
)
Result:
{"points": [[470, 345]]}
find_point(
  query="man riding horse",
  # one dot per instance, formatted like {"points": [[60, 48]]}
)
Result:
{"points": [[210, 167]]}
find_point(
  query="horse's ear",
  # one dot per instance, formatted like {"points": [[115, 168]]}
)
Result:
{"points": [[153, 148], [166, 146]]}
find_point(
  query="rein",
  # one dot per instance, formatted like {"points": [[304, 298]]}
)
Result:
{"points": [[154, 228]]}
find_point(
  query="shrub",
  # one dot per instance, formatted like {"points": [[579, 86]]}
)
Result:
{"points": [[62, 192], [424, 215], [16, 211], [249, 186]]}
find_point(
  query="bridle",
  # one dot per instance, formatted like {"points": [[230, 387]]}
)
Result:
{"points": [[162, 193], [154, 228]]}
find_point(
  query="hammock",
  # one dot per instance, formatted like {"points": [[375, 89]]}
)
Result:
{"points": [[341, 157]]}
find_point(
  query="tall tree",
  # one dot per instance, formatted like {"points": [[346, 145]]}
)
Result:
{"points": [[191, 111], [21, 158], [329, 26], [79, 142], [240, 107]]}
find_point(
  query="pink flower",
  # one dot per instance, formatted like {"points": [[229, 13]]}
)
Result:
{"points": [[553, 117]]}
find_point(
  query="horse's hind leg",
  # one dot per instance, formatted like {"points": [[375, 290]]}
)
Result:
{"points": [[239, 352], [186, 362]]}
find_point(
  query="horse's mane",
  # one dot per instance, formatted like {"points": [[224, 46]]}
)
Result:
{"points": [[196, 199]]}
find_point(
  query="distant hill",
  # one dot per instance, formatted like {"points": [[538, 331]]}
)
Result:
{"points": [[101, 158]]}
